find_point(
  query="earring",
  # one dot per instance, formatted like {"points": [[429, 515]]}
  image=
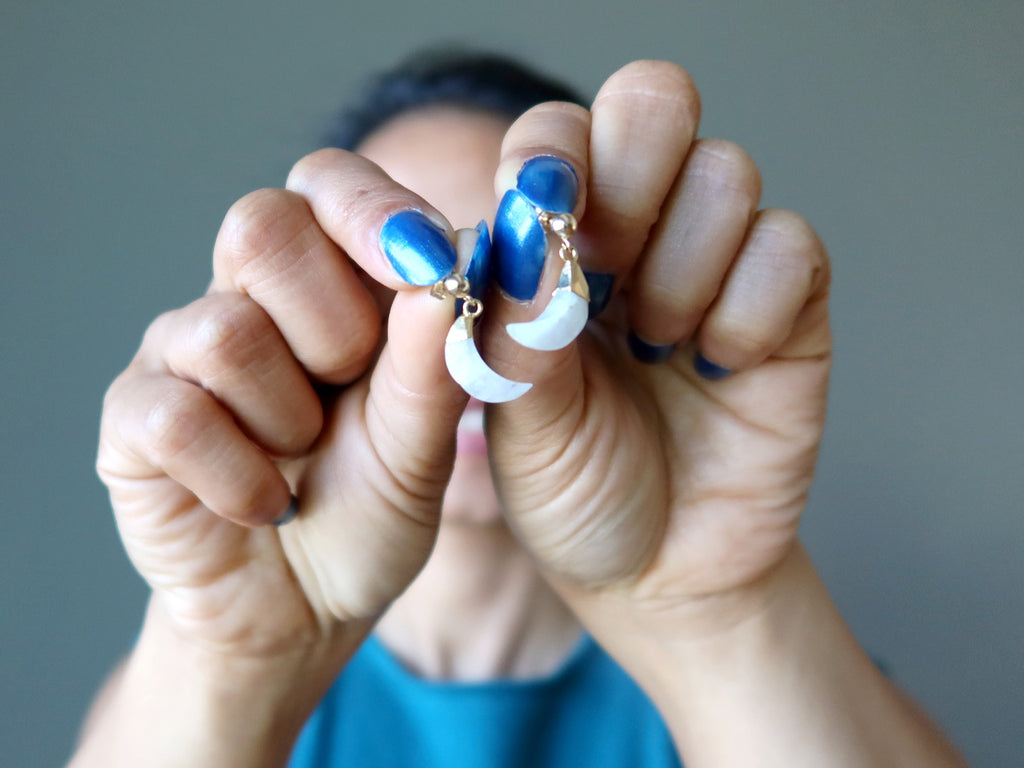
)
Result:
{"points": [[565, 316], [466, 366]]}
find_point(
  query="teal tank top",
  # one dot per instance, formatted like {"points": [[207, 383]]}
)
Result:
{"points": [[588, 713]]}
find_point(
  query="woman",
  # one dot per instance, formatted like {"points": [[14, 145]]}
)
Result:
{"points": [[646, 491]]}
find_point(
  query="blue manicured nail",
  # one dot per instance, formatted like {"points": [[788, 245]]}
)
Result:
{"points": [[417, 248], [289, 514], [478, 270], [649, 353], [707, 369], [549, 183], [601, 284], [519, 246]]}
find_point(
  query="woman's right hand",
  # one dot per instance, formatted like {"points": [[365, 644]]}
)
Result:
{"points": [[274, 383]]}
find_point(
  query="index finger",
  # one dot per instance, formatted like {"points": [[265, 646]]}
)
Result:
{"points": [[543, 168], [625, 153], [396, 236]]}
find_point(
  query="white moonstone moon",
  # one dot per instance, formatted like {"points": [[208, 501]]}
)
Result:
{"points": [[473, 374], [561, 321]]}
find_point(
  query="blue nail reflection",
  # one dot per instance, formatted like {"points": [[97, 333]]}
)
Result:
{"points": [[550, 183], [417, 248], [519, 246]]}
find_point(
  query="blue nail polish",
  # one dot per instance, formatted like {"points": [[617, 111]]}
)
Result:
{"points": [[417, 248], [649, 353], [549, 183], [289, 514], [478, 271], [708, 370], [600, 284], [520, 244]]}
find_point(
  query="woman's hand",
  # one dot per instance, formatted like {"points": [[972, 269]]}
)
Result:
{"points": [[659, 466], [274, 384], [271, 385], [638, 466]]}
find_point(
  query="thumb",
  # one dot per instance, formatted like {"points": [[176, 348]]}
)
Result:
{"points": [[413, 401], [371, 495]]}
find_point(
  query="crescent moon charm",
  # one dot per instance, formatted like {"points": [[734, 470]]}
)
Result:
{"points": [[563, 319], [471, 372]]}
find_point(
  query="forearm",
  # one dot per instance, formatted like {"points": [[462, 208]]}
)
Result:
{"points": [[780, 681], [173, 704]]}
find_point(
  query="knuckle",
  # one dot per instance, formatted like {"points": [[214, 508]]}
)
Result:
{"points": [[790, 232], [552, 124], [158, 330], [175, 421], [312, 164], [663, 76], [111, 418], [229, 334], [534, 126], [258, 226], [346, 190], [795, 246], [114, 396], [662, 81], [726, 165]]}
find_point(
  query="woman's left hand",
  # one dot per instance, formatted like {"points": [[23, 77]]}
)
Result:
{"points": [[673, 467], [659, 481]]}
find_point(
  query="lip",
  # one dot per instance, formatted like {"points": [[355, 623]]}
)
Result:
{"points": [[470, 439]]}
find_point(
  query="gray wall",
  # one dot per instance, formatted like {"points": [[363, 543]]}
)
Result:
{"points": [[128, 128]]}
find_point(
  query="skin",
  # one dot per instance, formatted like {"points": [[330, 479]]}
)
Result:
{"points": [[657, 509]]}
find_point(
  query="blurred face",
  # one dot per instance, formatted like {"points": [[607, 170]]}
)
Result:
{"points": [[449, 156]]}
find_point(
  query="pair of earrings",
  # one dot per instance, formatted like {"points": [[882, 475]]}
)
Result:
{"points": [[561, 321]]}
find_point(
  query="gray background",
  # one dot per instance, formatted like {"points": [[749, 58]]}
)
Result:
{"points": [[129, 128]]}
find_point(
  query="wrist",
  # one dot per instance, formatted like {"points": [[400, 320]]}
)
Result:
{"points": [[181, 703], [695, 634], [769, 674], [756, 641]]}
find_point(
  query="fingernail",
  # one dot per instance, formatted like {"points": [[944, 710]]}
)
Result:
{"points": [[708, 370], [289, 514], [478, 270], [549, 183], [600, 284], [519, 246], [649, 353], [417, 248]]}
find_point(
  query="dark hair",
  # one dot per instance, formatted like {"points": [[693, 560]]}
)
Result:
{"points": [[445, 77]]}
